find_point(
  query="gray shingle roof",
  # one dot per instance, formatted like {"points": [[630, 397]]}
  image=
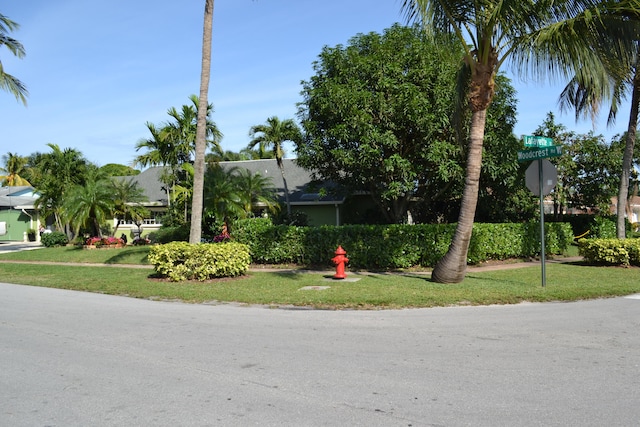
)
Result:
{"points": [[298, 181]]}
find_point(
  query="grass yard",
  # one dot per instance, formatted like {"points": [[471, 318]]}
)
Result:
{"points": [[565, 282], [72, 254]]}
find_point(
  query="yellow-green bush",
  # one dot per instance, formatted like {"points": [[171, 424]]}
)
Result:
{"points": [[610, 251], [184, 261]]}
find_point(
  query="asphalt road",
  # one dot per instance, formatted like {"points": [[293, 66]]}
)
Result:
{"points": [[80, 359]]}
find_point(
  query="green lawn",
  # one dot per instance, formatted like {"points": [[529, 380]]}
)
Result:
{"points": [[565, 282]]}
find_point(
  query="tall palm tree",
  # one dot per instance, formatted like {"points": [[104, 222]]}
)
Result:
{"points": [[273, 134], [197, 204], [545, 38], [14, 166], [8, 82], [585, 94]]}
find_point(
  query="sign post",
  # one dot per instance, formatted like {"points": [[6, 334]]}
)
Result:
{"points": [[541, 177]]}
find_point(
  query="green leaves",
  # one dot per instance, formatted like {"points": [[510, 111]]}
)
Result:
{"points": [[183, 261], [379, 118]]}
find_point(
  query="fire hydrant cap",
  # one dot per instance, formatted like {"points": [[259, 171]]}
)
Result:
{"points": [[340, 251]]}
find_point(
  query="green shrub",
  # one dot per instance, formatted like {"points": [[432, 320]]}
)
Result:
{"points": [[610, 251], [393, 246], [170, 234], [603, 228], [183, 261], [54, 238]]}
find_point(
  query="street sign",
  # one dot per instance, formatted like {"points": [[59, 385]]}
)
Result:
{"points": [[537, 141], [539, 153], [549, 177]]}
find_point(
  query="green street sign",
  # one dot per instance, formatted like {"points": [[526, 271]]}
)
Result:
{"points": [[539, 153], [537, 141]]}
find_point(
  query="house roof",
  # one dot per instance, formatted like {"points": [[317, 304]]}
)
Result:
{"points": [[18, 197], [298, 182], [151, 184]]}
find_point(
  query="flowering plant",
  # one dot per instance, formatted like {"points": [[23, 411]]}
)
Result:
{"points": [[100, 241], [223, 237], [91, 241]]}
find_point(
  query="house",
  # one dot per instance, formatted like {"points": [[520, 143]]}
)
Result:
{"points": [[326, 209], [319, 209], [17, 213], [632, 209]]}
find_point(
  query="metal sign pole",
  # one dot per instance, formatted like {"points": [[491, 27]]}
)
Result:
{"points": [[542, 246]]}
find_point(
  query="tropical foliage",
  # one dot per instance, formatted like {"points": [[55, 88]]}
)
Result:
{"points": [[8, 82], [14, 167], [379, 118], [128, 199], [542, 39], [271, 136], [89, 205]]}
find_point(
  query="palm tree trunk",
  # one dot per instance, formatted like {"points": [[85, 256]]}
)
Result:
{"points": [[452, 267], [286, 192], [627, 157], [197, 206]]}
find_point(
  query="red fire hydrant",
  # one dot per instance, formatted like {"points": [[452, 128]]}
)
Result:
{"points": [[339, 260]]}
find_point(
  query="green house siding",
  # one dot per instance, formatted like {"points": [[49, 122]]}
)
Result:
{"points": [[319, 214], [17, 224]]}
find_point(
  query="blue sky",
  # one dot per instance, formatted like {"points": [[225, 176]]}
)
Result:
{"points": [[97, 71]]}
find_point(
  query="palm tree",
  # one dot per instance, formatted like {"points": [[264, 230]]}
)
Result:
{"points": [[127, 199], [91, 204], [222, 196], [57, 172], [585, 94], [541, 38], [14, 166], [197, 203], [273, 134], [8, 82], [256, 191]]}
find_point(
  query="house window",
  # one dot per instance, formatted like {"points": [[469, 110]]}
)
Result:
{"points": [[152, 220]]}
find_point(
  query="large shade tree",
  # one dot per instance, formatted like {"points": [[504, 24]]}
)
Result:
{"points": [[8, 82], [547, 38], [379, 119], [271, 136]]}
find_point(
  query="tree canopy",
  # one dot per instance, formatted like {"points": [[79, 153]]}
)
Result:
{"points": [[379, 116]]}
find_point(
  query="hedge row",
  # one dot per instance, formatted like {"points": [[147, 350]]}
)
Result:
{"points": [[610, 251], [393, 246]]}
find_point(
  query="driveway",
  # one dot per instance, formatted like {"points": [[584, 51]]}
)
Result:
{"points": [[6, 247], [77, 359]]}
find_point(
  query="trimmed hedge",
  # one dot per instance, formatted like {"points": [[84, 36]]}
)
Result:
{"points": [[610, 251], [393, 246], [184, 261]]}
